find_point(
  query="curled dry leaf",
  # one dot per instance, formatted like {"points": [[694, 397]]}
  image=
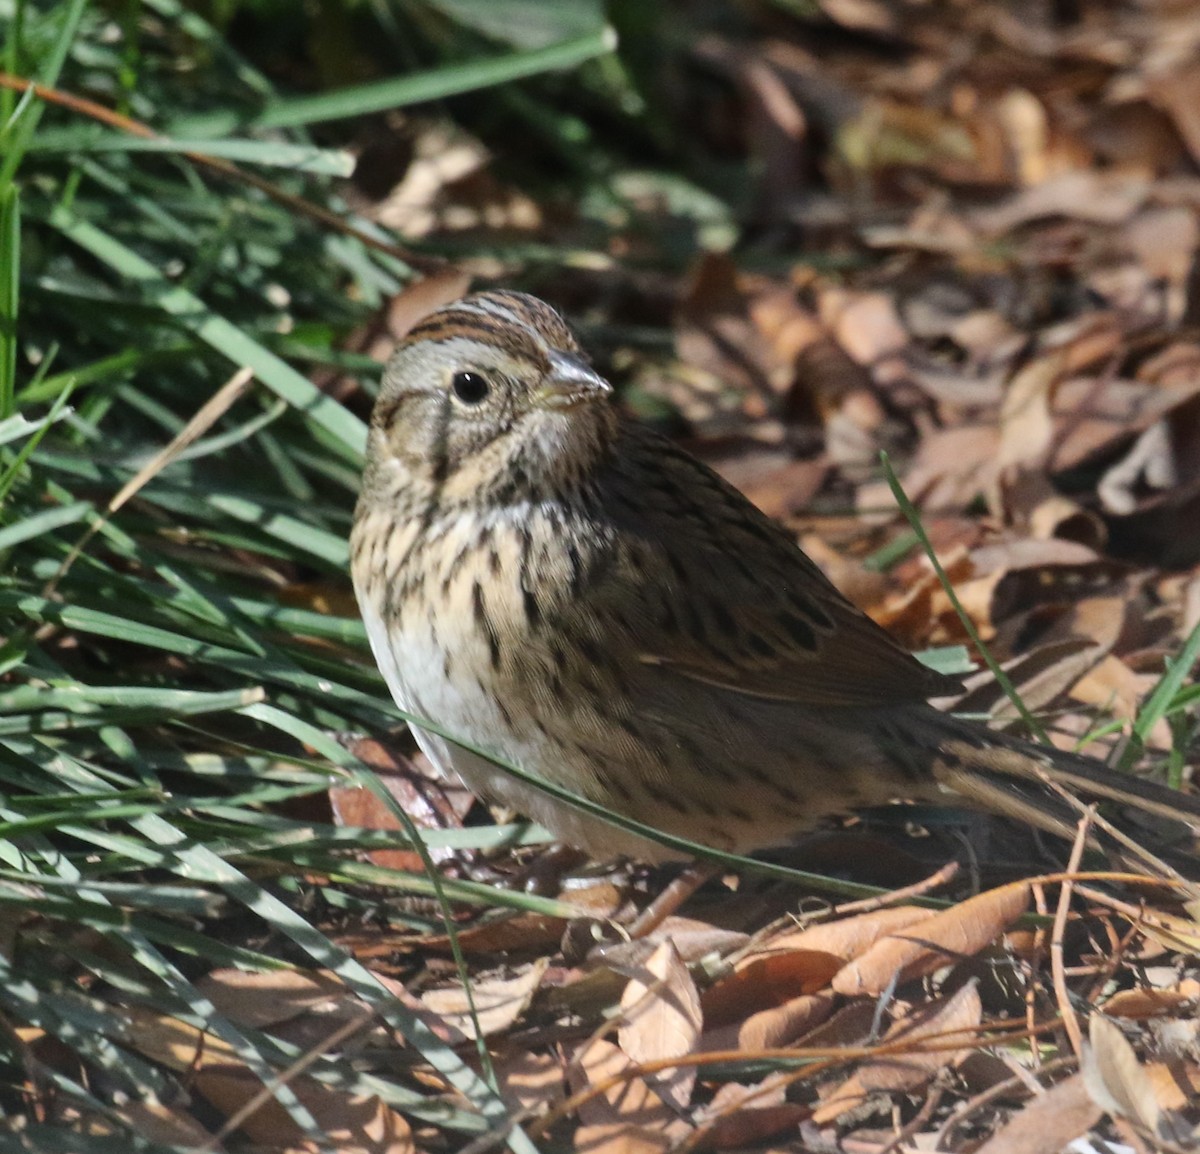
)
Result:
{"points": [[1140, 1004], [945, 938], [629, 1102], [740, 1116], [350, 1123], [780, 1026], [1049, 1123], [764, 980], [261, 1000], [847, 938], [948, 1025], [499, 1002], [1120, 1085], [661, 1019]]}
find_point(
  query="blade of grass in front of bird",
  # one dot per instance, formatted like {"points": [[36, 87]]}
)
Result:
{"points": [[914, 520]]}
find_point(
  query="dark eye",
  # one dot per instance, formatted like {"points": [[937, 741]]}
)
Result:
{"points": [[470, 388]]}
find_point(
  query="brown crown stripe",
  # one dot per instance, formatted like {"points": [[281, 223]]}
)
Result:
{"points": [[489, 318], [530, 311], [464, 326]]}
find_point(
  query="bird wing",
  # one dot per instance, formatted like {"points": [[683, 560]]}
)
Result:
{"points": [[733, 602]]}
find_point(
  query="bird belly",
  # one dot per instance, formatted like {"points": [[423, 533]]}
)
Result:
{"points": [[414, 667]]}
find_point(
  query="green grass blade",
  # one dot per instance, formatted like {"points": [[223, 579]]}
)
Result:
{"points": [[224, 337], [415, 88]]}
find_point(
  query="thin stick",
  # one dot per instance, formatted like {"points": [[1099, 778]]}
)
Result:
{"points": [[205, 417], [1065, 1009], [868, 905]]}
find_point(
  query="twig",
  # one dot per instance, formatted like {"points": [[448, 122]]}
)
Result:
{"points": [[351, 1026], [990, 1095], [917, 889], [1065, 1009], [207, 415]]}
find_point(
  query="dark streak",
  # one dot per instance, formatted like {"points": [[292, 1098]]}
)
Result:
{"points": [[479, 609]]}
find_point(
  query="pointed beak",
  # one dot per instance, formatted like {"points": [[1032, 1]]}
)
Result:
{"points": [[569, 383]]}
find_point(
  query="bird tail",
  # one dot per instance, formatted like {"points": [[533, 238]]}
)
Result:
{"points": [[1044, 787]]}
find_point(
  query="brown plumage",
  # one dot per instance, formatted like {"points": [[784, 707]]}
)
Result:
{"points": [[577, 595]]}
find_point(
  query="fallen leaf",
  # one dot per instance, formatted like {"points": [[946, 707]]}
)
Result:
{"points": [[621, 1138], [265, 999], [1100, 198], [352, 1123], [948, 1023], [1142, 1003], [761, 981], [528, 1079], [165, 1126], [739, 1116], [847, 938], [629, 1102], [780, 1026], [661, 1019], [1120, 1085], [430, 800], [1047, 1124], [865, 324], [947, 937], [498, 1002]]}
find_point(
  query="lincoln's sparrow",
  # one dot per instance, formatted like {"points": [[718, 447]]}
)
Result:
{"points": [[577, 595]]}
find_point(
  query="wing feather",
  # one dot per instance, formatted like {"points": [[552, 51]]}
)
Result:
{"points": [[725, 597]]}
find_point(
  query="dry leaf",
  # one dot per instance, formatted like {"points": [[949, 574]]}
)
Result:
{"points": [[628, 1102], [1117, 1082], [266, 999], [780, 1026], [529, 1080], [940, 1021], [1176, 1083], [846, 938], [764, 980], [865, 324], [165, 1126], [177, 1045], [945, 938], [354, 1124], [498, 1002], [621, 1138], [740, 1116], [1096, 197], [1139, 1004], [661, 1019], [1049, 1123], [430, 800]]}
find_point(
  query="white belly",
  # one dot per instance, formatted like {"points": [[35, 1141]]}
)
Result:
{"points": [[414, 669]]}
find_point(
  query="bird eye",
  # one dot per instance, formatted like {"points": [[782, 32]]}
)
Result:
{"points": [[470, 388]]}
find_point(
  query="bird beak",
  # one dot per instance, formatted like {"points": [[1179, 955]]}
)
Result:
{"points": [[569, 383]]}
